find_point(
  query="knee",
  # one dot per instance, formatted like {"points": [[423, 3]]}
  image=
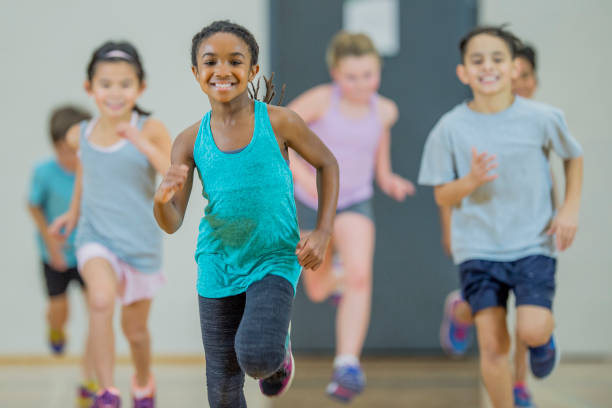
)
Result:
{"points": [[533, 334], [135, 333], [101, 302], [316, 293], [358, 279], [494, 348], [260, 362]]}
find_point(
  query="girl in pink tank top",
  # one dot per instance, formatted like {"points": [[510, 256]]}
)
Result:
{"points": [[354, 122]]}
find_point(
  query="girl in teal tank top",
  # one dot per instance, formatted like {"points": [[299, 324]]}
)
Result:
{"points": [[249, 253]]}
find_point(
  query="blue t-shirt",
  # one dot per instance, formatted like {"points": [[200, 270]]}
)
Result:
{"points": [[51, 191], [507, 218]]}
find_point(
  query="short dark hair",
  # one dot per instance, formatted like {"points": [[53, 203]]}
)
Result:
{"points": [[512, 41], [225, 26], [62, 119], [529, 53]]}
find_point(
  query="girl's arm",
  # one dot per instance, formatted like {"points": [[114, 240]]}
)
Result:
{"points": [[173, 193], [389, 182], [445, 227], [452, 193], [63, 225], [153, 141], [310, 106], [296, 135], [565, 224]]}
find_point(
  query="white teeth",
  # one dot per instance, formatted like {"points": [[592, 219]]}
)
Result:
{"points": [[223, 86]]}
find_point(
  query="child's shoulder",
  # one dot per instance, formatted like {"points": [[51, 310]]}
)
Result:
{"points": [[537, 109], [387, 110], [281, 117], [44, 165]]}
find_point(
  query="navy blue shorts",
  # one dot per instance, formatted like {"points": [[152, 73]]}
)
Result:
{"points": [[486, 284]]}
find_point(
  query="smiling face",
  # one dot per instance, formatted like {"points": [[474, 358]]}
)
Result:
{"points": [[115, 88], [487, 66], [357, 76], [526, 82], [224, 66]]}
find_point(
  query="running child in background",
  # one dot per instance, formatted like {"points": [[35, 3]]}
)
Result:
{"points": [[355, 122], [118, 242], [456, 330], [249, 253], [488, 160], [50, 193]]}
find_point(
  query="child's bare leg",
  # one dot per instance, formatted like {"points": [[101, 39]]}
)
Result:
{"points": [[57, 312], [101, 280], [534, 324], [354, 236], [463, 313], [494, 346], [134, 319], [520, 360], [320, 283]]}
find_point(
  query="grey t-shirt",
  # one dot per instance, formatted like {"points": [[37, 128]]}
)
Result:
{"points": [[507, 218]]}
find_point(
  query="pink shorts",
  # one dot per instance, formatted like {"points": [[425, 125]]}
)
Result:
{"points": [[133, 284]]}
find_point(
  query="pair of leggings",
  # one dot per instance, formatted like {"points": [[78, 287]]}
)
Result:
{"points": [[245, 333]]}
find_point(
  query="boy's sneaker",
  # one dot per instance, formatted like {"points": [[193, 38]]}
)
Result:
{"points": [[109, 398], [455, 338], [522, 397], [144, 397], [57, 341], [279, 382], [86, 394], [543, 359], [348, 381]]}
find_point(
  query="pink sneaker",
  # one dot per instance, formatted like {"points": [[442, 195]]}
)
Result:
{"points": [[278, 383], [108, 398]]}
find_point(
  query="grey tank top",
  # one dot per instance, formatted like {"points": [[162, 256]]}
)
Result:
{"points": [[117, 201]]}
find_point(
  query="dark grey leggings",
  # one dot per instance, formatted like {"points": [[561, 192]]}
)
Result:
{"points": [[242, 334]]}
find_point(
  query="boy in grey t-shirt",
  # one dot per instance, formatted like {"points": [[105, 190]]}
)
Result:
{"points": [[488, 158]]}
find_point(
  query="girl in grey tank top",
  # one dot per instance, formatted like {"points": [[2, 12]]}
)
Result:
{"points": [[118, 242]]}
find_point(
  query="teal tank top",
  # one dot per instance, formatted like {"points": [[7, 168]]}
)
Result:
{"points": [[249, 229], [117, 201]]}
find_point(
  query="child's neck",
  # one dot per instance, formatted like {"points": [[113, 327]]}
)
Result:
{"points": [[492, 103], [107, 123], [228, 112]]}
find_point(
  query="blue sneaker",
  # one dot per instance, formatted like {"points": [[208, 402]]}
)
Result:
{"points": [[348, 381], [522, 397], [455, 338], [544, 359]]}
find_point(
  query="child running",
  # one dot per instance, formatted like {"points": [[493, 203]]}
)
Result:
{"points": [[249, 250], [354, 121], [50, 193], [488, 160], [457, 325], [118, 242]]}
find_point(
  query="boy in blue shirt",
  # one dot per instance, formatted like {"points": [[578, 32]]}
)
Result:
{"points": [[50, 195], [488, 159]]}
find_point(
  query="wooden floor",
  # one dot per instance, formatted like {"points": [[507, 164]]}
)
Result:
{"points": [[392, 382]]}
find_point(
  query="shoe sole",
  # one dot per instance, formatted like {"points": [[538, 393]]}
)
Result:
{"points": [[557, 361]]}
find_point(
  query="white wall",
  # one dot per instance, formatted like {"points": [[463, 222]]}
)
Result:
{"points": [[45, 47], [573, 43]]}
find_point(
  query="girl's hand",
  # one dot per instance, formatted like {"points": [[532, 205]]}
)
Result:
{"points": [[482, 164], [63, 225], [398, 187], [129, 132], [311, 249], [564, 227], [173, 181]]}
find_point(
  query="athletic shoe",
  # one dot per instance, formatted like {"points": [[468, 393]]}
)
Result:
{"points": [[522, 397], [86, 394], [279, 382], [543, 359], [107, 399], [57, 341], [146, 398], [455, 338], [347, 382]]}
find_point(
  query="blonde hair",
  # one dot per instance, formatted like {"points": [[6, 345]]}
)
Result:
{"points": [[345, 44]]}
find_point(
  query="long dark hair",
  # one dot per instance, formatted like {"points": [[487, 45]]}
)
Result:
{"points": [[112, 51], [226, 26]]}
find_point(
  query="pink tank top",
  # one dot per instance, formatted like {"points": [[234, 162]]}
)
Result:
{"points": [[354, 142]]}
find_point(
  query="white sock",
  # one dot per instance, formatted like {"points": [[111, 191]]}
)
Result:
{"points": [[346, 359]]}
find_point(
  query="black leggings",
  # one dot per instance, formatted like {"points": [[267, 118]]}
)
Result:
{"points": [[245, 333]]}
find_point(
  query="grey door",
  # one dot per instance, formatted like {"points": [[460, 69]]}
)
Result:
{"points": [[411, 274]]}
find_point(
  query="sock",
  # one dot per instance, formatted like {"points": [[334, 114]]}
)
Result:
{"points": [[143, 392], [520, 384], [346, 359]]}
